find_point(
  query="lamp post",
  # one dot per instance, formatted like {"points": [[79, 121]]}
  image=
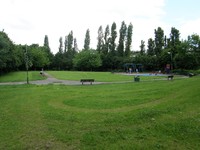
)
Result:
{"points": [[171, 64], [26, 61]]}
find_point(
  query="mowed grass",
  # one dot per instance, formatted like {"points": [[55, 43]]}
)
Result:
{"points": [[145, 115], [21, 76], [98, 76]]}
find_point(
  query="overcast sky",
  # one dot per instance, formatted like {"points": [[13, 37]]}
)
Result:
{"points": [[28, 21]]}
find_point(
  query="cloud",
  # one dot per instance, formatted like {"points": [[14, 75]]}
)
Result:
{"points": [[29, 21], [190, 27]]}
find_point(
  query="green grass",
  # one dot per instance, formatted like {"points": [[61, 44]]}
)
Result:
{"points": [[21, 76], [145, 115], [98, 76]]}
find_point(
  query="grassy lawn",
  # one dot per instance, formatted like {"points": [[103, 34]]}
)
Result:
{"points": [[21, 76], [100, 76], [145, 115]]}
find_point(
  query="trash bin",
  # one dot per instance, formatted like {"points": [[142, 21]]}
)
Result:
{"points": [[136, 78], [190, 75]]}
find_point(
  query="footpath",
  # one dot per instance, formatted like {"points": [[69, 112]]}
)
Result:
{"points": [[49, 80], [52, 80]]}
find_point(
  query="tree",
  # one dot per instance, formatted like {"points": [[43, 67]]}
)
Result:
{"points": [[70, 41], [58, 63], [194, 44], [113, 38], [106, 40], [37, 56], [174, 41], [142, 47], [66, 44], [100, 42], [109, 61], [87, 40], [87, 60], [75, 48], [129, 40], [9, 60], [69, 55], [61, 45], [48, 50], [122, 35], [151, 46], [46, 44], [159, 41]]}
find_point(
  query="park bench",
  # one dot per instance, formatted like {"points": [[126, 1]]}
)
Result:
{"points": [[87, 80], [170, 77]]}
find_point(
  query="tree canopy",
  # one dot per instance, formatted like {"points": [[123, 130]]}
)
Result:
{"points": [[108, 55]]}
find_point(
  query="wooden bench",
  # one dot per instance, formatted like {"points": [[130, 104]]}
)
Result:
{"points": [[170, 77], [87, 80]]}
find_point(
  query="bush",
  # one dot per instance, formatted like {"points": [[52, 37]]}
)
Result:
{"points": [[87, 60]]}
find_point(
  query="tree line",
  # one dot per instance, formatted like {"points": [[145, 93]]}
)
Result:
{"points": [[109, 54]]}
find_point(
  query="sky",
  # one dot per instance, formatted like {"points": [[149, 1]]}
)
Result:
{"points": [[28, 21]]}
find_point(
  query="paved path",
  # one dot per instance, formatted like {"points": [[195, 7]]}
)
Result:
{"points": [[50, 80]]}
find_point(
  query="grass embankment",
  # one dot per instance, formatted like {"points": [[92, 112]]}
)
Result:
{"points": [[21, 76], [145, 115]]}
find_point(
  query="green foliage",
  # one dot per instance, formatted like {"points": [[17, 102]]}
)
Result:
{"points": [[58, 61], [9, 60], [37, 56], [112, 39], [46, 44], [106, 40], [151, 46], [129, 40], [142, 47], [61, 45], [48, 52], [159, 41], [122, 35], [183, 54], [87, 60], [100, 40], [87, 40]]}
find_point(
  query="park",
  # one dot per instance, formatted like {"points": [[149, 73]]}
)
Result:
{"points": [[154, 113], [111, 97]]}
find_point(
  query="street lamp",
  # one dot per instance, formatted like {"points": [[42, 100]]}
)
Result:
{"points": [[171, 60], [26, 61]]}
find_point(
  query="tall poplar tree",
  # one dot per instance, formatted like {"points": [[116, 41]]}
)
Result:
{"points": [[129, 40], [159, 41], [142, 47], [174, 40], [46, 44], [70, 41], [122, 36], [75, 48], [61, 45], [87, 40], [150, 47], [106, 40], [100, 42], [113, 38], [65, 44], [48, 51], [69, 55]]}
